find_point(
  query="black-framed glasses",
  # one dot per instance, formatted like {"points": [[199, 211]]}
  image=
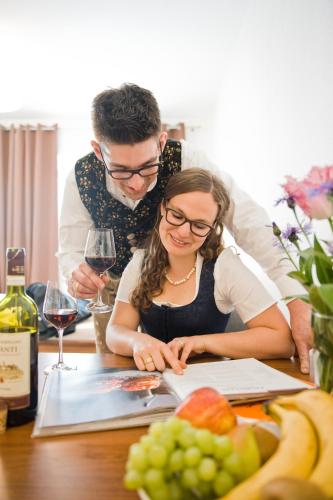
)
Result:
{"points": [[176, 219], [125, 174]]}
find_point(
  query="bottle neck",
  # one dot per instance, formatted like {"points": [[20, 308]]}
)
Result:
{"points": [[15, 284], [15, 269], [15, 281], [15, 289]]}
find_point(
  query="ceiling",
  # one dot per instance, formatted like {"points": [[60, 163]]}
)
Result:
{"points": [[59, 54]]}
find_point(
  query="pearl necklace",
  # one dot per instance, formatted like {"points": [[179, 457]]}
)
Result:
{"points": [[180, 282]]}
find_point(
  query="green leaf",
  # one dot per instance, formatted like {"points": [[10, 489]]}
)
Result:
{"points": [[308, 270], [326, 259], [325, 292], [322, 300], [321, 260], [300, 277], [306, 262], [323, 263], [311, 253]]}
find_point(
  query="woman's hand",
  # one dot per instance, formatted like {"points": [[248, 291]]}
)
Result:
{"points": [[153, 354], [183, 347]]}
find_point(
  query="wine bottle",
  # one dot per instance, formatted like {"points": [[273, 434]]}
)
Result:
{"points": [[18, 344]]}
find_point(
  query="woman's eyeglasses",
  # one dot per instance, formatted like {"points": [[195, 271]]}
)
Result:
{"points": [[176, 219]]}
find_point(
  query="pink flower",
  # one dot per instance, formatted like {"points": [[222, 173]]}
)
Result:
{"points": [[311, 194]]}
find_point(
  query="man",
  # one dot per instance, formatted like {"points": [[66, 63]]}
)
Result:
{"points": [[120, 185]]}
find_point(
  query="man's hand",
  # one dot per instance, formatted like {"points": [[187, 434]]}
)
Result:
{"points": [[84, 282], [300, 323]]}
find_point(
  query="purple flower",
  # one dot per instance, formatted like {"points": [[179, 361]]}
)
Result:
{"points": [[290, 233], [307, 228], [324, 188], [279, 201], [286, 199]]}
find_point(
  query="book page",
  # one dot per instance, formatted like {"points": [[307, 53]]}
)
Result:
{"points": [[233, 378], [102, 399]]}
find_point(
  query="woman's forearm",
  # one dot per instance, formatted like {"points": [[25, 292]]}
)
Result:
{"points": [[259, 342], [120, 339]]}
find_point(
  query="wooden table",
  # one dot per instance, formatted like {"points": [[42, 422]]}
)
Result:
{"points": [[76, 467]]}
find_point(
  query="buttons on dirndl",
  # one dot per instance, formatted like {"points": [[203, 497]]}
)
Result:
{"points": [[132, 241]]}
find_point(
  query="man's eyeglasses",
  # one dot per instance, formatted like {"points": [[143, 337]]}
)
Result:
{"points": [[176, 219], [124, 174]]}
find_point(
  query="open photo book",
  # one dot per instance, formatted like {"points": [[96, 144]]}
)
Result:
{"points": [[85, 401]]}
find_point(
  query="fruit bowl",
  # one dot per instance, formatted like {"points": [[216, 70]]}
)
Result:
{"points": [[268, 428], [179, 458]]}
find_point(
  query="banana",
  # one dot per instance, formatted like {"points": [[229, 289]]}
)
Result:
{"points": [[318, 407], [294, 457]]}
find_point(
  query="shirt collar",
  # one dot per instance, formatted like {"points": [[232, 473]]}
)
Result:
{"points": [[119, 195]]}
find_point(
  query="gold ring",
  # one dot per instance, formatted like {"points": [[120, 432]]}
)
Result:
{"points": [[148, 360], [181, 342]]}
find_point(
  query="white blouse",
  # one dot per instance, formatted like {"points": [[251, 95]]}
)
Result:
{"points": [[236, 287]]}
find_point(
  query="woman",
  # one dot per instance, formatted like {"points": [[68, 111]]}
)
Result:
{"points": [[184, 286]]}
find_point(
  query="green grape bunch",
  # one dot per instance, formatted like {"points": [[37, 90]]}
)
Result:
{"points": [[176, 461]]}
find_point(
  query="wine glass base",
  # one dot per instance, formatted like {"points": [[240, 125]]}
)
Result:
{"points": [[58, 367], [98, 309]]}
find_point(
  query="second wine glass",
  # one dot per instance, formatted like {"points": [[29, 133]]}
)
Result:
{"points": [[60, 309], [100, 255]]}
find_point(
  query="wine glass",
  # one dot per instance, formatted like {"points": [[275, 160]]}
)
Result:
{"points": [[60, 309], [100, 255]]}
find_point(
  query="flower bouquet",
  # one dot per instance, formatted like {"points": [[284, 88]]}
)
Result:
{"points": [[312, 257]]}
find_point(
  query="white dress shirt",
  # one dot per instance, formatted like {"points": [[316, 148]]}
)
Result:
{"points": [[236, 287], [247, 221]]}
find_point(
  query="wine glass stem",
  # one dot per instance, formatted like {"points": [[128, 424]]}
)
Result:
{"points": [[60, 335], [99, 294]]}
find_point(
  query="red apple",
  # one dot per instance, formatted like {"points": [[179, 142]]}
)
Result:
{"points": [[207, 409]]}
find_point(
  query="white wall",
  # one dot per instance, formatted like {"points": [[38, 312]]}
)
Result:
{"points": [[274, 114]]}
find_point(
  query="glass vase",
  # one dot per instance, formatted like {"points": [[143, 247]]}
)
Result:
{"points": [[322, 326]]}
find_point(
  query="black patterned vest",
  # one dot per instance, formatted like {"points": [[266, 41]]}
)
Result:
{"points": [[130, 227]]}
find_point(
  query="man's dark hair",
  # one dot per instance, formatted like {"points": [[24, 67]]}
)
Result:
{"points": [[125, 115]]}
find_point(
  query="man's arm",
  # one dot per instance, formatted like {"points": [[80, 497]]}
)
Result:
{"points": [[75, 223], [300, 323]]}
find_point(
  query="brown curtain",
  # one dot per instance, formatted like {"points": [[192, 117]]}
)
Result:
{"points": [[176, 132], [28, 198]]}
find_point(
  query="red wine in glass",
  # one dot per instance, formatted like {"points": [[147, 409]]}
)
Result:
{"points": [[61, 318], [100, 264], [60, 309], [100, 255]]}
